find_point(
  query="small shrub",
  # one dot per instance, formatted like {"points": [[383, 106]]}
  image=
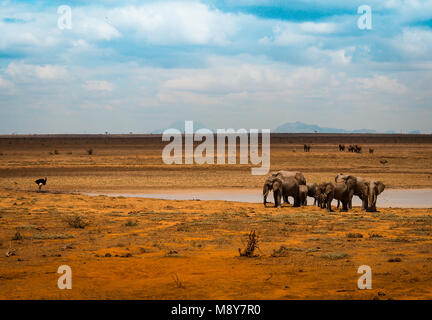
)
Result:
{"points": [[334, 256], [17, 236], [56, 151], [77, 222], [354, 235], [284, 251], [375, 235], [90, 151], [251, 245], [131, 223]]}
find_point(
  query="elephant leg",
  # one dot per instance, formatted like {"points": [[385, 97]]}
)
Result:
{"points": [[277, 198], [296, 202], [329, 209], [364, 203], [345, 205], [265, 194], [286, 199], [338, 205]]}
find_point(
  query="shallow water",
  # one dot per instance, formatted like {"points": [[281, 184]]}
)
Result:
{"points": [[391, 198]]}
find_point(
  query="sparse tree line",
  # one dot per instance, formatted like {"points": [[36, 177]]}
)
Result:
{"points": [[286, 184]]}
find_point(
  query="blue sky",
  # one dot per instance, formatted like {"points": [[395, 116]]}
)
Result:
{"points": [[141, 65]]}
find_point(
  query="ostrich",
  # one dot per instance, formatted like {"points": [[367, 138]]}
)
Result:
{"points": [[41, 182]]}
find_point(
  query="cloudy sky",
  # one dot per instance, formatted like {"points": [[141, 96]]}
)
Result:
{"points": [[141, 65]]}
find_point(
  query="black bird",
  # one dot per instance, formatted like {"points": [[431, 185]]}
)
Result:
{"points": [[41, 182]]}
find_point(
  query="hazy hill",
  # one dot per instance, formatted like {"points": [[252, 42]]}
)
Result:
{"points": [[300, 127]]}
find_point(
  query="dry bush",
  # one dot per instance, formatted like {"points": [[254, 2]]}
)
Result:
{"points": [[90, 151], [335, 255], [131, 223], [251, 245], [17, 236], [354, 235], [77, 221], [284, 251], [177, 281]]}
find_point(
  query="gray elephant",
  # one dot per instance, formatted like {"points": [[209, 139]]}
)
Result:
{"points": [[342, 191], [303, 194], [361, 189], [285, 187], [375, 188], [268, 184], [325, 193], [312, 191]]}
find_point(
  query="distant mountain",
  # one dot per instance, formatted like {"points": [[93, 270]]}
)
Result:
{"points": [[415, 132], [180, 125], [300, 127]]}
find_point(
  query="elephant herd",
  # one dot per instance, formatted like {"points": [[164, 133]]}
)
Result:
{"points": [[286, 184]]}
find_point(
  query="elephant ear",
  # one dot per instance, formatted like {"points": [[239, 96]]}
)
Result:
{"points": [[380, 186], [277, 183], [338, 176], [352, 178]]}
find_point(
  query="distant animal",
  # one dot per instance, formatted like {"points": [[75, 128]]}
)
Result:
{"points": [[350, 148], [383, 162], [357, 149], [371, 150], [41, 182], [306, 148], [341, 147]]}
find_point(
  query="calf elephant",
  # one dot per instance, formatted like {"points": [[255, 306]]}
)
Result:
{"points": [[325, 194]]}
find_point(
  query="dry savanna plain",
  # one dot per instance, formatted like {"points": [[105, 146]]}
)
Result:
{"points": [[137, 248]]}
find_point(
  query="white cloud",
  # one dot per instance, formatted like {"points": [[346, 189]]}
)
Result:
{"points": [[176, 22], [382, 84], [313, 27], [98, 85], [7, 86], [20, 71], [414, 42]]}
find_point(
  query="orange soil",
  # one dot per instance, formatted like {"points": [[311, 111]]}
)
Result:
{"points": [[198, 241]]}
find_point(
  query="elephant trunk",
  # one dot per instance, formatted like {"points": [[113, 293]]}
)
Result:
{"points": [[372, 201], [266, 191]]}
